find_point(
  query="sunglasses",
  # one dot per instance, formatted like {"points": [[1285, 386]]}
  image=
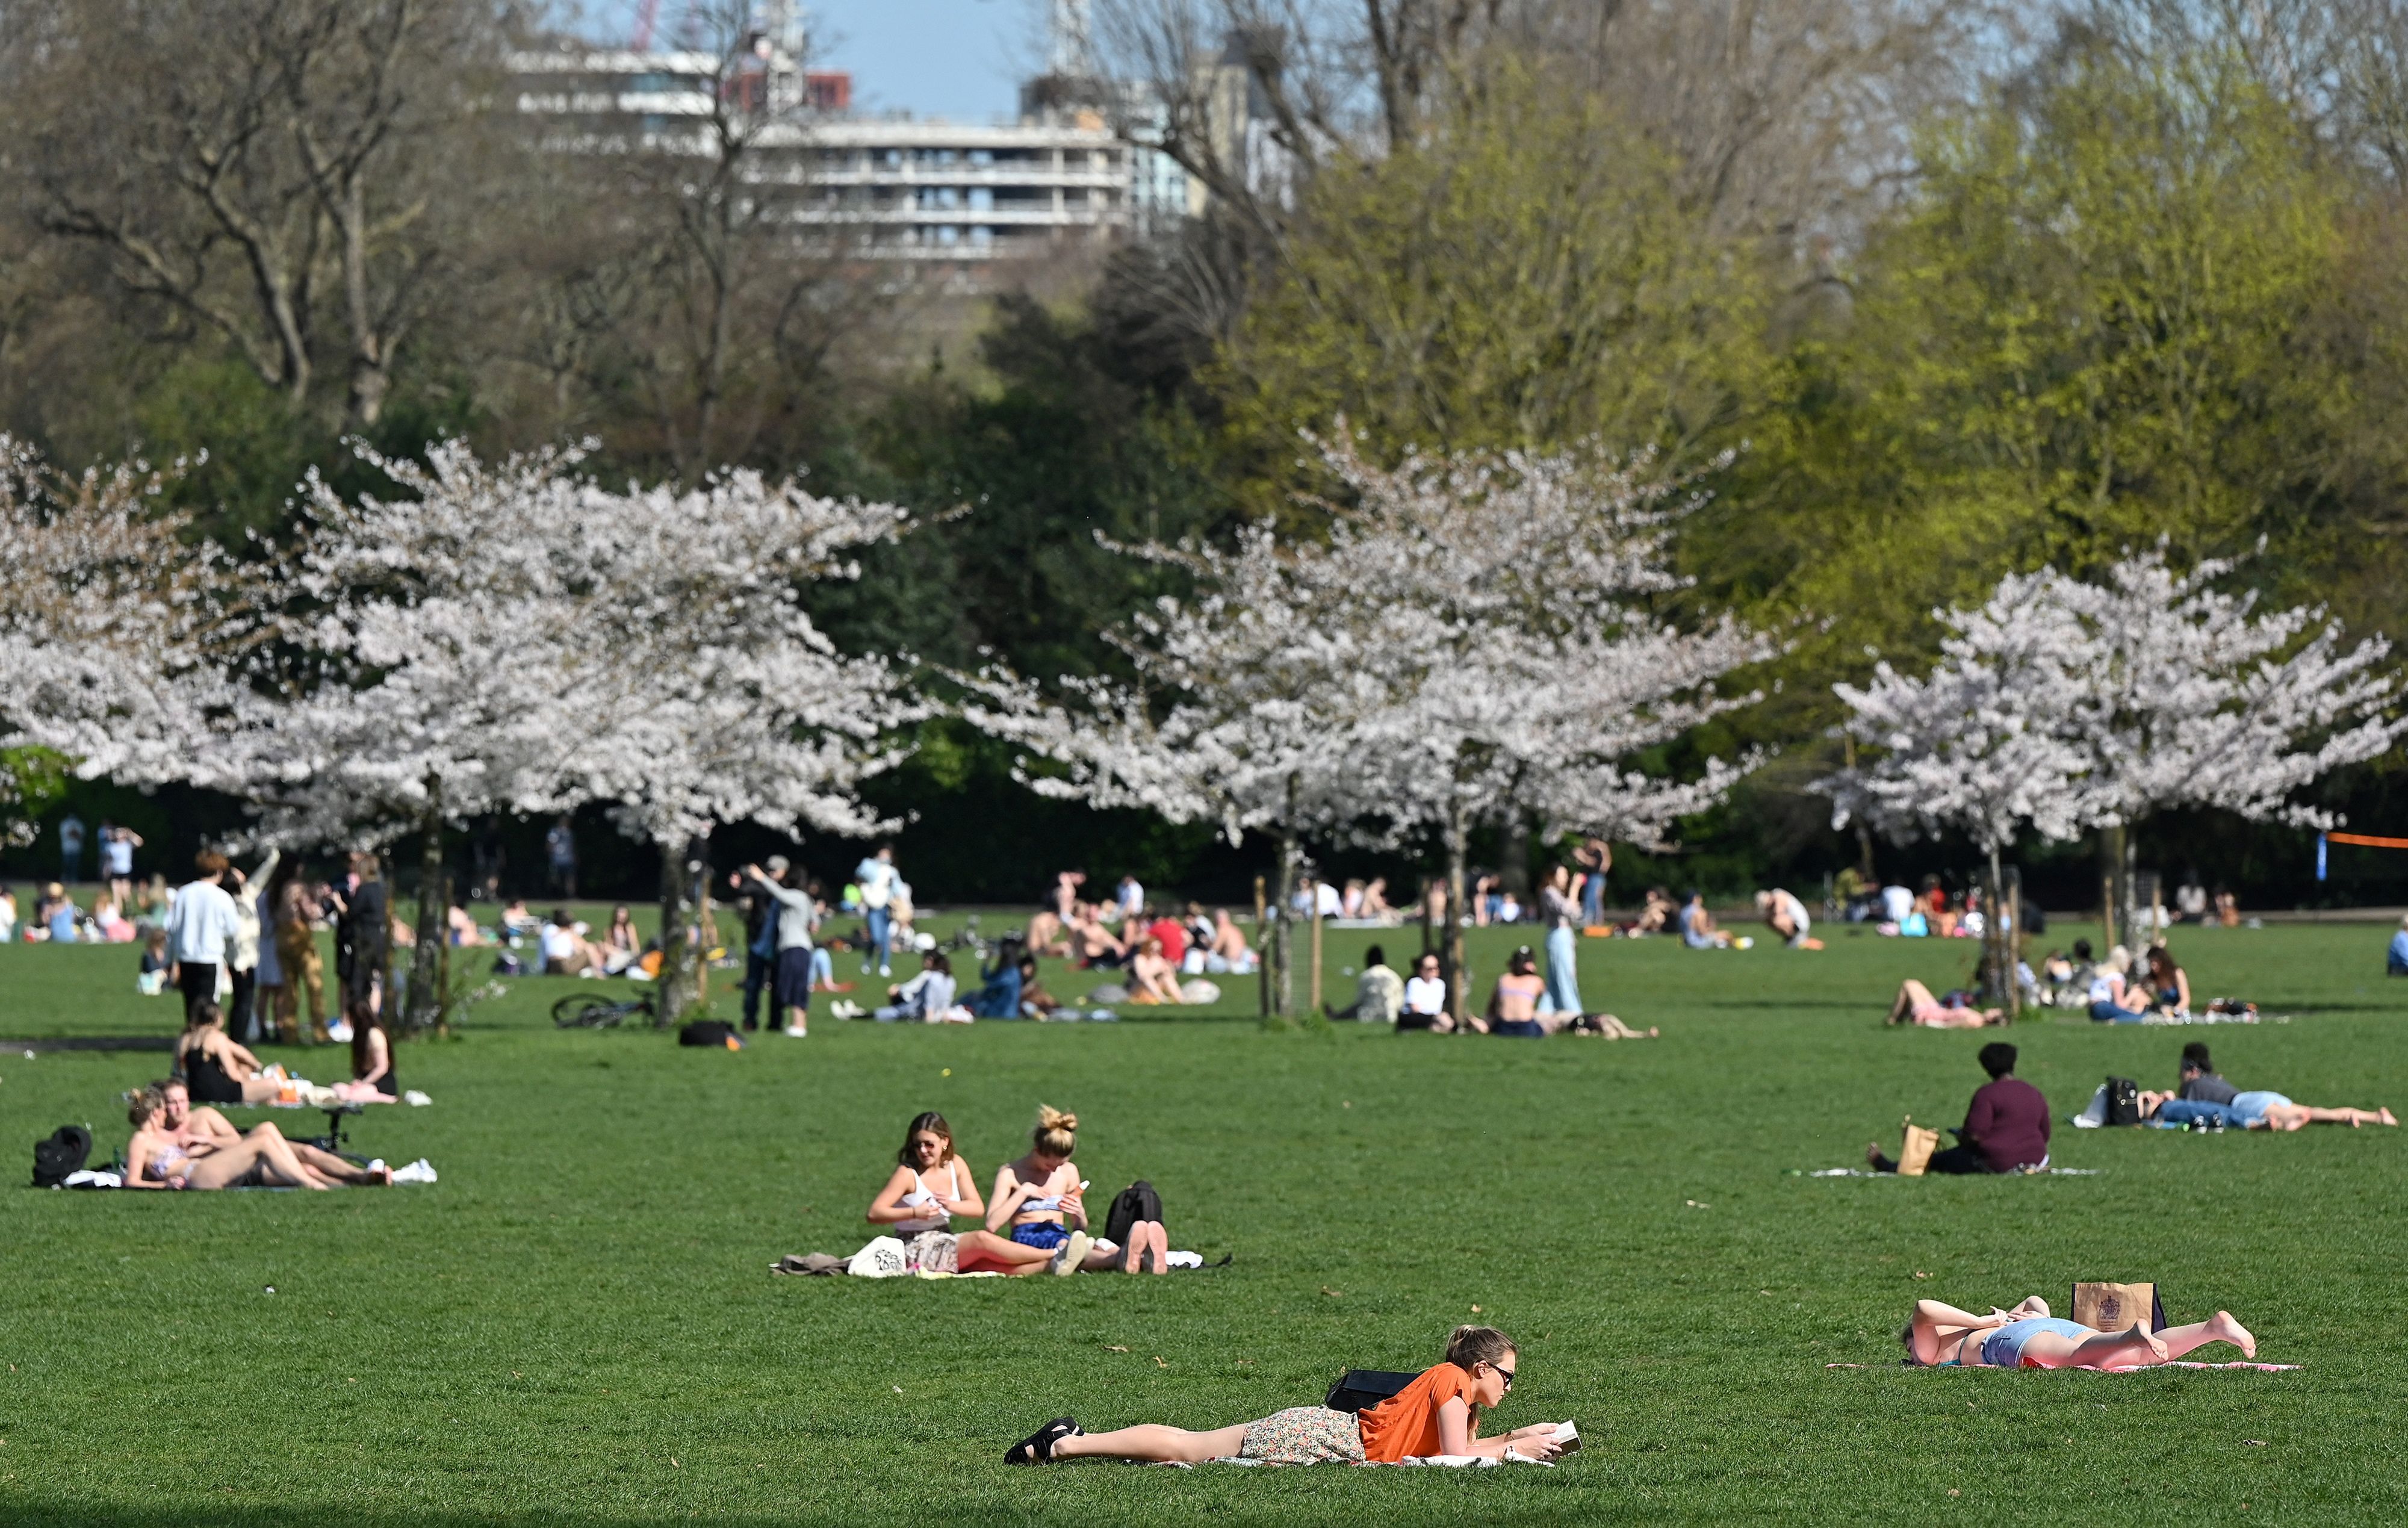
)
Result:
{"points": [[1505, 1374]]}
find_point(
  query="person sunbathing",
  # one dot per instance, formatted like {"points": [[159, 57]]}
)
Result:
{"points": [[1040, 1197], [1938, 1335], [2168, 982], [1915, 1004], [218, 1070], [2114, 1000], [200, 1130], [1048, 934], [930, 1185], [1656, 915], [1697, 930], [1438, 1414], [157, 1158], [1514, 1009], [2255, 1110], [1153, 979], [373, 1077], [1093, 943]]}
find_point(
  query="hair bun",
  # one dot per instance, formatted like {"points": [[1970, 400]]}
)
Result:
{"points": [[1048, 1117]]}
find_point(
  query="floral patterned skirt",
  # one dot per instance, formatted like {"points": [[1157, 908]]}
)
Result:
{"points": [[1305, 1436]]}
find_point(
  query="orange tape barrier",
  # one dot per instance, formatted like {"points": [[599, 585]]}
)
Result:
{"points": [[2369, 843]]}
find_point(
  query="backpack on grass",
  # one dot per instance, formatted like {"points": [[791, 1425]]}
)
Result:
{"points": [[2123, 1102], [64, 1152], [711, 1035], [1138, 1202]]}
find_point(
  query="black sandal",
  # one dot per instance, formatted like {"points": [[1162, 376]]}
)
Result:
{"points": [[1037, 1447]]}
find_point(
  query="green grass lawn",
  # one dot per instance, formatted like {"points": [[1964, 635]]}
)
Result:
{"points": [[578, 1324]]}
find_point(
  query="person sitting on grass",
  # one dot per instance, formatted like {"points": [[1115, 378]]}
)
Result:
{"points": [[927, 997], [2113, 999], [1940, 1336], [1041, 1199], [151, 979], [1656, 913], [1093, 943], [1697, 929], [1915, 1004], [1228, 955], [2167, 983], [2395, 960], [1785, 915], [1379, 992], [158, 1158], [929, 1186], [218, 1069], [1513, 1010], [2006, 1126], [1153, 979], [373, 1077], [1048, 934], [567, 951], [1438, 1414], [1425, 999]]}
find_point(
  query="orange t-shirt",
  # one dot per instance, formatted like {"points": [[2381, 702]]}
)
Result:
{"points": [[1405, 1425]]}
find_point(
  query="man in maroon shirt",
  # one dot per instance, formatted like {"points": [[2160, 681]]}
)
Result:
{"points": [[2006, 1129]]}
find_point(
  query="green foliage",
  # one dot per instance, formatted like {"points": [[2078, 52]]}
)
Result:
{"points": [[1527, 275], [577, 1324], [2101, 318], [32, 780]]}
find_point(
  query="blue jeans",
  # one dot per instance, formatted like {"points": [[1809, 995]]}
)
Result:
{"points": [[823, 967], [2111, 1013], [881, 933], [2176, 1111], [1593, 901], [1562, 995]]}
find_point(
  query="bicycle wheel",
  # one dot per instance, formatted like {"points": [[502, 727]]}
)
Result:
{"points": [[582, 1011]]}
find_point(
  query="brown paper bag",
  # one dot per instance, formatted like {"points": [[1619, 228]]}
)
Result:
{"points": [[2118, 1307], [1914, 1152]]}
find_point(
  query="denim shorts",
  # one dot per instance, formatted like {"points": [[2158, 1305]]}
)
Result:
{"points": [[1045, 1235]]}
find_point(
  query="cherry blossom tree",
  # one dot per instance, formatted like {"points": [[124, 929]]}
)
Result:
{"points": [[1511, 600], [2199, 697], [514, 636], [118, 627], [1980, 745], [1244, 711], [1470, 640], [2067, 705]]}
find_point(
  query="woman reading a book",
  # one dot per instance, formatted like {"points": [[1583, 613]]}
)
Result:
{"points": [[1437, 1415]]}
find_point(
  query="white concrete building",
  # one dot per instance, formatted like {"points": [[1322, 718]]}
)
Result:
{"points": [[895, 187]]}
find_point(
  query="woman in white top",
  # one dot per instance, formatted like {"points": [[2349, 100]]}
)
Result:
{"points": [[1425, 998], [930, 1186]]}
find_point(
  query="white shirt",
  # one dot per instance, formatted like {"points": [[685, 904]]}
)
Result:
{"points": [[1426, 995], [201, 924], [1326, 899], [1132, 896], [558, 944], [1896, 903], [1784, 902], [877, 877], [117, 856]]}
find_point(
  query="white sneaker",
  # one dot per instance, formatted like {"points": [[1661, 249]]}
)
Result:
{"points": [[885, 970], [420, 1171], [864, 968], [1072, 1253], [795, 1031]]}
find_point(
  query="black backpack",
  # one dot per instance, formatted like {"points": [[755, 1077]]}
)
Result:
{"points": [[1360, 1389], [1138, 1202], [713, 1033], [64, 1152], [2123, 1102]]}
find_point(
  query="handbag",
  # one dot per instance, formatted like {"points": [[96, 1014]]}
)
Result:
{"points": [[1914, 1151], [2118, 1307]]}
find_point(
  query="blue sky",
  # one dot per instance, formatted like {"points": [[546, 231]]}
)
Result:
{"points": [[961, 58]]}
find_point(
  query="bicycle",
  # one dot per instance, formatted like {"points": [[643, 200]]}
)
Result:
{"points": [[587, 1011]]}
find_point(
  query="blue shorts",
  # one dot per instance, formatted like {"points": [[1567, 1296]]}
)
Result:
{"points": [[1520, 1028], [1045, 1235], [2004, 1348]]}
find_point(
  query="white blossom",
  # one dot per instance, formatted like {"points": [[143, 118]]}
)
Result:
{"points": [[117, 625]]}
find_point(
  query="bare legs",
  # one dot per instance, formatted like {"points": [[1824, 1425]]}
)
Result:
{"points": [[1017, 1259], [326, 1164], [1145, 1240], [1155, 1444], [264, 1148], [1911, 995], [2299, 1115], [2138, 1347]]}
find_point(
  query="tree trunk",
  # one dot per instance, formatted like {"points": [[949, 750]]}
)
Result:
{"points": [[1313, 1003], [2014, 908], [1459, 850], [1515, 872], [1280, 954], [424, 1009], [1998, 962], [2111, 866], [443, 970], [680, 979], [1261, 947], [2129, 906]]}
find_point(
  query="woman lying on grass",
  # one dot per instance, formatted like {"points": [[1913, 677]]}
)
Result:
{"points": [[1439, 1413], [172, 1150], [1941, 1336], [2256, 1110], [1915, 1004]]}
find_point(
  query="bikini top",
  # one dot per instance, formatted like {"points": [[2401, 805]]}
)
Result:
{"points": [[919, 1195]]}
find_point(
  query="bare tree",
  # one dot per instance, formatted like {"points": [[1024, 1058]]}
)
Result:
{"points": [[284, 174]]}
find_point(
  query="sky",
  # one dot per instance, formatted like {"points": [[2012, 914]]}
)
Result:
{"points": [[961, 58]]}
